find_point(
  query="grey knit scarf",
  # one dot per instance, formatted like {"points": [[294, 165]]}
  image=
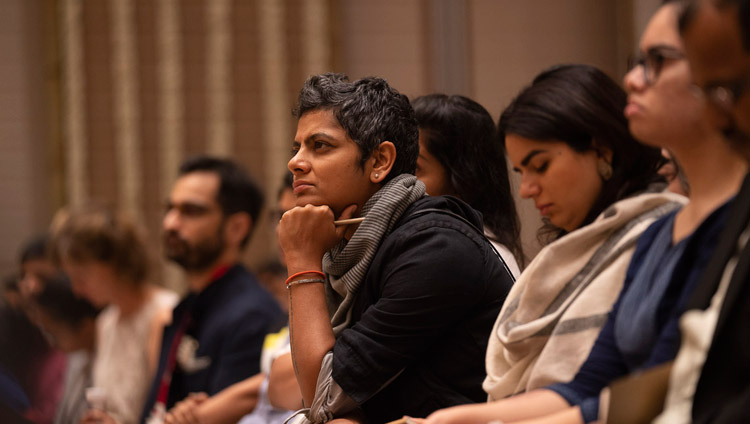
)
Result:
{"points": [[347, 263]]}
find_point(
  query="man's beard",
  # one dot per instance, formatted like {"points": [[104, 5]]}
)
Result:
{"points": [[193, 258], [739, 140]]}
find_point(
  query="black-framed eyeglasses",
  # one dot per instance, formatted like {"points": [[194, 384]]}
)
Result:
{"points": [[653, 61], [724, 95]]}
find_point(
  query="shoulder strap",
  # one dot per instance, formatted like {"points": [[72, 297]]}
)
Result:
{"points": [[472, 226]]}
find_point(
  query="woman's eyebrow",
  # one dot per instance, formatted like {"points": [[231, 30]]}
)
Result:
{"points": [[531, 154], [319, 135]]}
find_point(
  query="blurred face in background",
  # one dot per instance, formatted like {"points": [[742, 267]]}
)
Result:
{"points": [[194, 222], [94, 281], [720, 66], [430, 171], [662, 109], [65, 336], [31, 270]]}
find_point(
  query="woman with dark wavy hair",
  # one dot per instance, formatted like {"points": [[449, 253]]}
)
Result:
{"points": [[460, 156]]}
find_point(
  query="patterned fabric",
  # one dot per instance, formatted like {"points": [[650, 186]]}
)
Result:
{"points": [[555, 310], [347, 263]]}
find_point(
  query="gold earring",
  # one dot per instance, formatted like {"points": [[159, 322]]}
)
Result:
{"points": [[604, 169]]}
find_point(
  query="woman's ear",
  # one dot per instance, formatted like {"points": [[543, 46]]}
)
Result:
{"points": [[603, 152], [382, 160]]}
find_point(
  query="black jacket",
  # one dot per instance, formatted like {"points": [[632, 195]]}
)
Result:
{"points": [[723, 391], [423, 315], [230, 319]]}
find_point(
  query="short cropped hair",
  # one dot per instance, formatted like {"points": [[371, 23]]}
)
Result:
{"points": [[238, 192], [370, 111], [94, 234]]}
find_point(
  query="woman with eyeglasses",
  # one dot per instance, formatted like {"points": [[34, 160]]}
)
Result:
{"points": [[641, 331]]}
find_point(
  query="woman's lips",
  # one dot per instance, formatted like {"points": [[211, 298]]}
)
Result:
{"points": [[300, 186], [631, 109]]}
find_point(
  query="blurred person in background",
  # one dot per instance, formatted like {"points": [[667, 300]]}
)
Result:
{"points": [[248, 401], [218, 329], [710, 379], [459, 156], [26, 354], [105, 256], [70, 323]]}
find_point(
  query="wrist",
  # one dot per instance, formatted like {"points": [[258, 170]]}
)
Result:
{"points": [[294, 266], [308, 276]]}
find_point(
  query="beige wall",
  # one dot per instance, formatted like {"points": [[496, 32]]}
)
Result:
{"points": [[513, 41], [486, 49]]}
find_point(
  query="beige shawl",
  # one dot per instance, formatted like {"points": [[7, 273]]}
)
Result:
{"points": [[555, 310]]}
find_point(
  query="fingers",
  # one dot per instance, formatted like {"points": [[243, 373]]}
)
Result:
{"points": [[198, 397], [185, 411], [96, 416]]}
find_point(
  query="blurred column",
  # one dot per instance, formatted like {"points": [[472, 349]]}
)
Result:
{"points": [[274, 88], [125, 106], [170, 94], [317, 54], [171, 107], [74, 89], [449, 46], [218, 81]]}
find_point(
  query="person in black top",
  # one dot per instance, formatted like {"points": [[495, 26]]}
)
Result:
{"points": [[716, 35], [217, 331], [390, 315]]}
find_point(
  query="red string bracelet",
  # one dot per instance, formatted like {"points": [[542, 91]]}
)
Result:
{"points": [[295, 275]]}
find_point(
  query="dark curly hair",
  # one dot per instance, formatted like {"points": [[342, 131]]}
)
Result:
{"points": [[370, 111], [460, 134], [583, 107]]}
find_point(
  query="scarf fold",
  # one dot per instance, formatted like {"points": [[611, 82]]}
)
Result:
{"points": [[555, 310], [347, 263]]}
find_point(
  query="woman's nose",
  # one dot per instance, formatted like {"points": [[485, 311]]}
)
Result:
{"points": [[529, 188], [635, 79], [298, 163]]}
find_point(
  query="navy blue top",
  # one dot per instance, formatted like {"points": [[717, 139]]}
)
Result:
{"points": [[230, 319], [11, 392], [607, 361]]}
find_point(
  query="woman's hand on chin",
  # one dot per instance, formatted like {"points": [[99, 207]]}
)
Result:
{"points": [[306, 232]]}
